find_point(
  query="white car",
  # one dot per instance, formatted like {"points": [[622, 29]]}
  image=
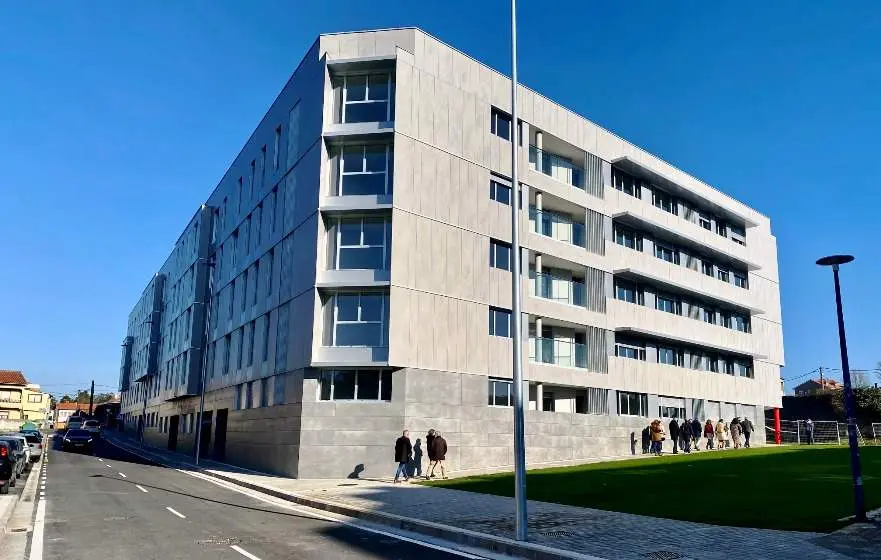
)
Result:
{"points": [[35, 442], [92, 426]]}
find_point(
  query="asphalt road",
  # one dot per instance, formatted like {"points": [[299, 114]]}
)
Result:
{"points": [[115, 505]]}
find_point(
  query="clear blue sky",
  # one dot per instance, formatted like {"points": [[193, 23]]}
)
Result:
{"points": [[117, 120]]}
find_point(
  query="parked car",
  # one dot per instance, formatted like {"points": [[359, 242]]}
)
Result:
{"points": [[19, 456], [93, 427], [80, 440], [75, 422], [7, 467], [35, 442], [25, 447]]}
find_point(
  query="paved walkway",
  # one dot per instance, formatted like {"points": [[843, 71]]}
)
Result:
{"points": [[610, 535]]}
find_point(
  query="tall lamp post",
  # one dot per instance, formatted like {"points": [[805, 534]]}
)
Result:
{"points": [[858, 503]]}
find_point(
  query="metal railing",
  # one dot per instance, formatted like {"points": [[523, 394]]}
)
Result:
{"points": [[556, 226], [558, 352], [562, 290], [822, 432], [557, 167]]}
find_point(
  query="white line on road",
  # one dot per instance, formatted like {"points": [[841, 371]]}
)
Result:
{"points": [[141, 488], [122, 475], [37, 537], [177, 513], [244, 552], [109, 466], [100, 459]]}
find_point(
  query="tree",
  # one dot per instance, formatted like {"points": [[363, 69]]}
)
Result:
{"points": [[66, 399]]}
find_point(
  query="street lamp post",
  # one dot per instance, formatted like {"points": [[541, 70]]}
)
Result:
{"points": [[858, 503]]}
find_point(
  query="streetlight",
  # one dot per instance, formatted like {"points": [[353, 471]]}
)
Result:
{"points": [[858, 503]]}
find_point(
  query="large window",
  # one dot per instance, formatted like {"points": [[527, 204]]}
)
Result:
{"points": [[500, 124], [709, 316], [367, 98], [365, 169], [630, 351], [722, 274], [740, 280], [500, 392], [705, 222], [625, 183], [707, 268], [633, 404], [363, 243], [670, 356], [671, 411], [499, 192], [499, 322], [668, 303], [628, 238], [35, 398], [743, 369], [499, 254], [739, 322], [664, 201], [359, 319], [628, 291], [355, 385], [666, 253]]}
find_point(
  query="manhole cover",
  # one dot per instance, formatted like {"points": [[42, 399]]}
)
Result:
{"points": [[558, 533], [664, 555], [225, 541]]}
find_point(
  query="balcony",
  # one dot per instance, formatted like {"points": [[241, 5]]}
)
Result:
{"points": [[558, 288], [557, 351], [556, 225], [556, 167]]}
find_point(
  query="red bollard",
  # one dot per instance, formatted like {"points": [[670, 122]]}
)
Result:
{"points": [[777, 438]]}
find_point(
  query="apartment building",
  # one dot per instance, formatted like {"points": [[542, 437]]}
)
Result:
{"points": [[21, 401], [350, 274]]}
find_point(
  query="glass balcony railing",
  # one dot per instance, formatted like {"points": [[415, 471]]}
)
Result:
{"points": [[556, 166], [562, 290], [559, 352], [556, 226]]}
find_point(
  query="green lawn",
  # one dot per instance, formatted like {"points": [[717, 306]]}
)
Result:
{"points": [[793, 488]]}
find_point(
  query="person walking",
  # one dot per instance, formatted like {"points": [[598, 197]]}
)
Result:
{"points": [[709, 433], [696, 433], [809, 428], [646, 439], [720, 434], [735, 433], [674, 435], [429, 438], [657, 437], [403, 456], [747, 426], [439, 450], [685, 435]]}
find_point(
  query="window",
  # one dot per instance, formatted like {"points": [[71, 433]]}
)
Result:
{"points": [[709, 316], [264, 392], [257, 231], [245, 290], [241, 347], [664, 201], [725, 319], [271, 209], [671, 411], [363, 243], [499, 322], [738, 234], [269, 272], [355, 385], [633, 404], [625, 183], [293, 150], [249, 394], [712, 363], [35, 398], [740, 323], [666, 253], [743, 369], [628, 238], [241, 195], [275, 147], [256, 281], [365, 169], [366, 98], [227, 342], [670, 356], [500, 392], [740, 280], [278, 390], [266, 337], [499, 254], [592, 401], [262, 166], [251, 178], [500, 124], [630, 351], [707, 268], [669, 304], [499, 192], [628, 291], [251, 331], [705, 222], [232, 297], [722, 274], [722, 228], [359, 319]]}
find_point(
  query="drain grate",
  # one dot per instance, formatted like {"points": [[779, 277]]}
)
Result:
{"points": [[557, 533], [225, 541], [664, 555]]}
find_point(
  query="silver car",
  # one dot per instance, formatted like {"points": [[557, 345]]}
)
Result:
{"points": [[35, 442]]}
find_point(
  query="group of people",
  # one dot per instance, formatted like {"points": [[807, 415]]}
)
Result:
{"points": [[409, 456], [687, 434]]}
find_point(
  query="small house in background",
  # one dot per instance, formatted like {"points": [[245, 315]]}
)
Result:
{"points": [[814, 386], [63, 412]]}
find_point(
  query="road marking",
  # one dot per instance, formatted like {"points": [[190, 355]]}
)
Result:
{"points": [[122, 475], [177, 513], [141, 488], [244, 552], [100, 459], [37, 536], [108, 465]]}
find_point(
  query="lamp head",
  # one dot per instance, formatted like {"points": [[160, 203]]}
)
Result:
{"points": [[835, 260]]}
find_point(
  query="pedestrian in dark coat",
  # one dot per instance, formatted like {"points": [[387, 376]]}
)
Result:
{"points": [[403, 456], [696, 433], [439, 450], [428, 439], [646, 439], [674, 434], [685, 436], [747, 426]]}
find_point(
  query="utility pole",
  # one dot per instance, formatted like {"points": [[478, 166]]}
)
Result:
{"points": [[822, 385], [91, 397]]}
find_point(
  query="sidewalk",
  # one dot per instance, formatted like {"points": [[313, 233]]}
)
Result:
{"points": [[570, 531]]}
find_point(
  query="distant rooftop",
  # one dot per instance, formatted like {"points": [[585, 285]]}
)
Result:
{"points": [[12, 377]]}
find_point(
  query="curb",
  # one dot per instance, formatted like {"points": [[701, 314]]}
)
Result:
{"points": [[493, 543]]}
